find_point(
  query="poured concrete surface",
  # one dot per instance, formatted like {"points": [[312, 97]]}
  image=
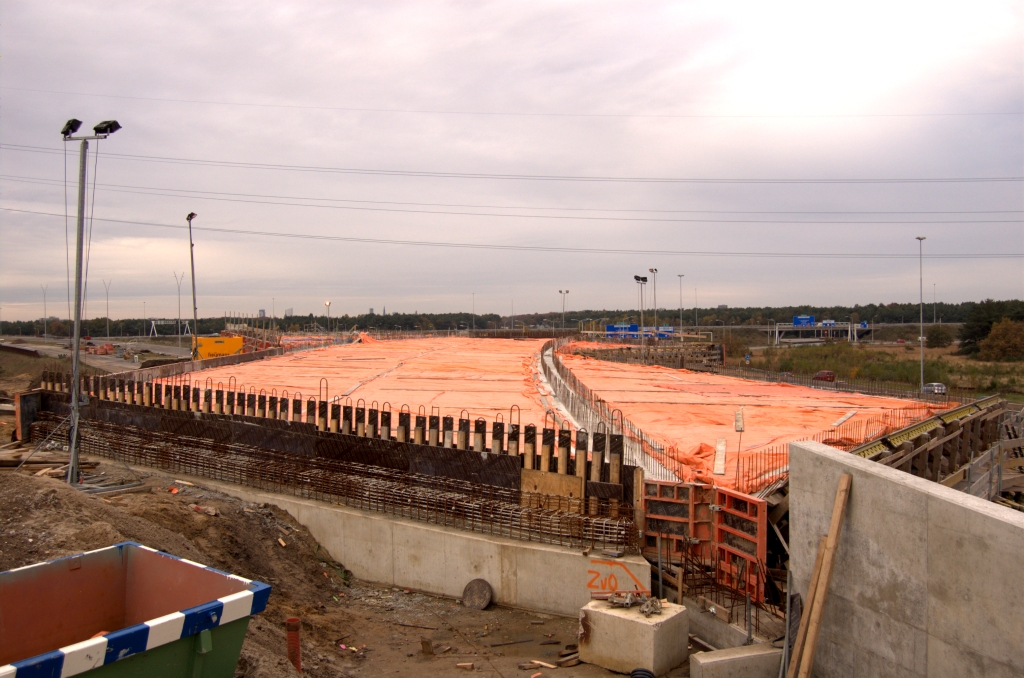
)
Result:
{"points": [[623, 639], [926, 581], [751, 661], [442, 560]]}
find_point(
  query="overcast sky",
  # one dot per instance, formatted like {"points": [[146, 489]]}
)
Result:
{"points": [[563, 106]]}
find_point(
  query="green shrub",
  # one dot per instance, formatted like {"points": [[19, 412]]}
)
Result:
{"points": [[938, 336]]}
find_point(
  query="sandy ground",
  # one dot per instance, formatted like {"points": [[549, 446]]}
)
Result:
{"points": [[349, 627]]}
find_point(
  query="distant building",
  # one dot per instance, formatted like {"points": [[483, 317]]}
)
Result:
{"points": [[263, 313], [723, 306], [371, 311]]}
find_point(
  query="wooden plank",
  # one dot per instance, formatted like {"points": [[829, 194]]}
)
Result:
{"points": [[954, 478], [801, 633], [828, 562], [1015, 463]]}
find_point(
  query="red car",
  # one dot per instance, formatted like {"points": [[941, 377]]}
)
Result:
{"points": [[824, 375]]}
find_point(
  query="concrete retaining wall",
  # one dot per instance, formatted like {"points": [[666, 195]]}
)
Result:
{"points": [[442, 560], [927, 580]]}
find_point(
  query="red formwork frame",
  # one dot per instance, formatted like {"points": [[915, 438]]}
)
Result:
{"points": [[679, 513], [740, 541], [721, 527]]}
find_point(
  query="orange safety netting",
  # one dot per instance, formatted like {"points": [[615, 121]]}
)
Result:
{"points": [[686, 413], [486, 377]]}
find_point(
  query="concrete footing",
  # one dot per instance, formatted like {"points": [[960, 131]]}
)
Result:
{"points": [[750, 661], [623, 639]]}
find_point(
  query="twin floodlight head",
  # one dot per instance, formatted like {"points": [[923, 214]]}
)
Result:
{"points": [[105, 128], [640, 278]]}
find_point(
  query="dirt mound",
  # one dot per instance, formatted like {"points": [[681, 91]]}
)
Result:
{"points": [[349, 628]]}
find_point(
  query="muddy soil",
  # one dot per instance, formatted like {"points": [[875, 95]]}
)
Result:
{"points": [[349, 627]]}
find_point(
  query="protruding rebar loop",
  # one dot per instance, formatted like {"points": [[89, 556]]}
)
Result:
{"points": [[361, 417], [447, 427], [548, 414], [600, 446], [335, 424], [530, 447], [311, 410], [480, 435], [547, 445], [462, 441], [498, 436], [324, 395], [404, 424], [372, 415], [580, 457], [419, 433], [321, 415], [513, 440], [564, 448], [385, 421], [434, 429], [620, 426], [273, 406]]}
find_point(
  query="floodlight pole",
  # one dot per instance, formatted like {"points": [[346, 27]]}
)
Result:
{"points": [[920, 268], [76, 339], [195, 308]]}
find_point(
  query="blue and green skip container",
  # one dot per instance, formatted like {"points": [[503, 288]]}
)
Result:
{"points": [[126, 610]]}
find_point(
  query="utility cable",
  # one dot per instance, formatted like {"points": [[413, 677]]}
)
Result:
{"points": [[212, 195], [191, 192], [523, 177], [542, 114], [543, 248]]}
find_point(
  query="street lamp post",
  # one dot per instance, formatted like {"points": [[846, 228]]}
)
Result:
{"points": [[45, 319], [920, 268], [641, 280], [563, 293], [106, 292], [177, 281], [328, 305], [654, 272], [681, 276], [195, 307], [101, 131]]}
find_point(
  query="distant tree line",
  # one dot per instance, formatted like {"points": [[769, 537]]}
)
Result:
{"points": [[976, 319]]}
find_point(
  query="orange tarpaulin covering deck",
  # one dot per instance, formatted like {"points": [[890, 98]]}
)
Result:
{"points": [[687, 412], [484, 376]]}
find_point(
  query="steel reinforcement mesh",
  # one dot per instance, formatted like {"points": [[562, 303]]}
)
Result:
{"points": [[441, 501]]}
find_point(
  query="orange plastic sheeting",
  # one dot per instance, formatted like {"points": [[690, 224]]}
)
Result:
{"points": [[484, 376], [687, 412]]}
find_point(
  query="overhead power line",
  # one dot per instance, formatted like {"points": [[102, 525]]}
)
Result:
{"points": [[541, 248], [552, 208], [259, 199], [540, 114], [518, 177]]}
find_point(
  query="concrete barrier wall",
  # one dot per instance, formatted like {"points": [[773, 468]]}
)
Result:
{"points": [[927, 580], [442, 560]]}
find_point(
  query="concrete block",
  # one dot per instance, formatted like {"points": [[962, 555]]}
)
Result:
{"points": [[621, 639], [751, 661]]}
